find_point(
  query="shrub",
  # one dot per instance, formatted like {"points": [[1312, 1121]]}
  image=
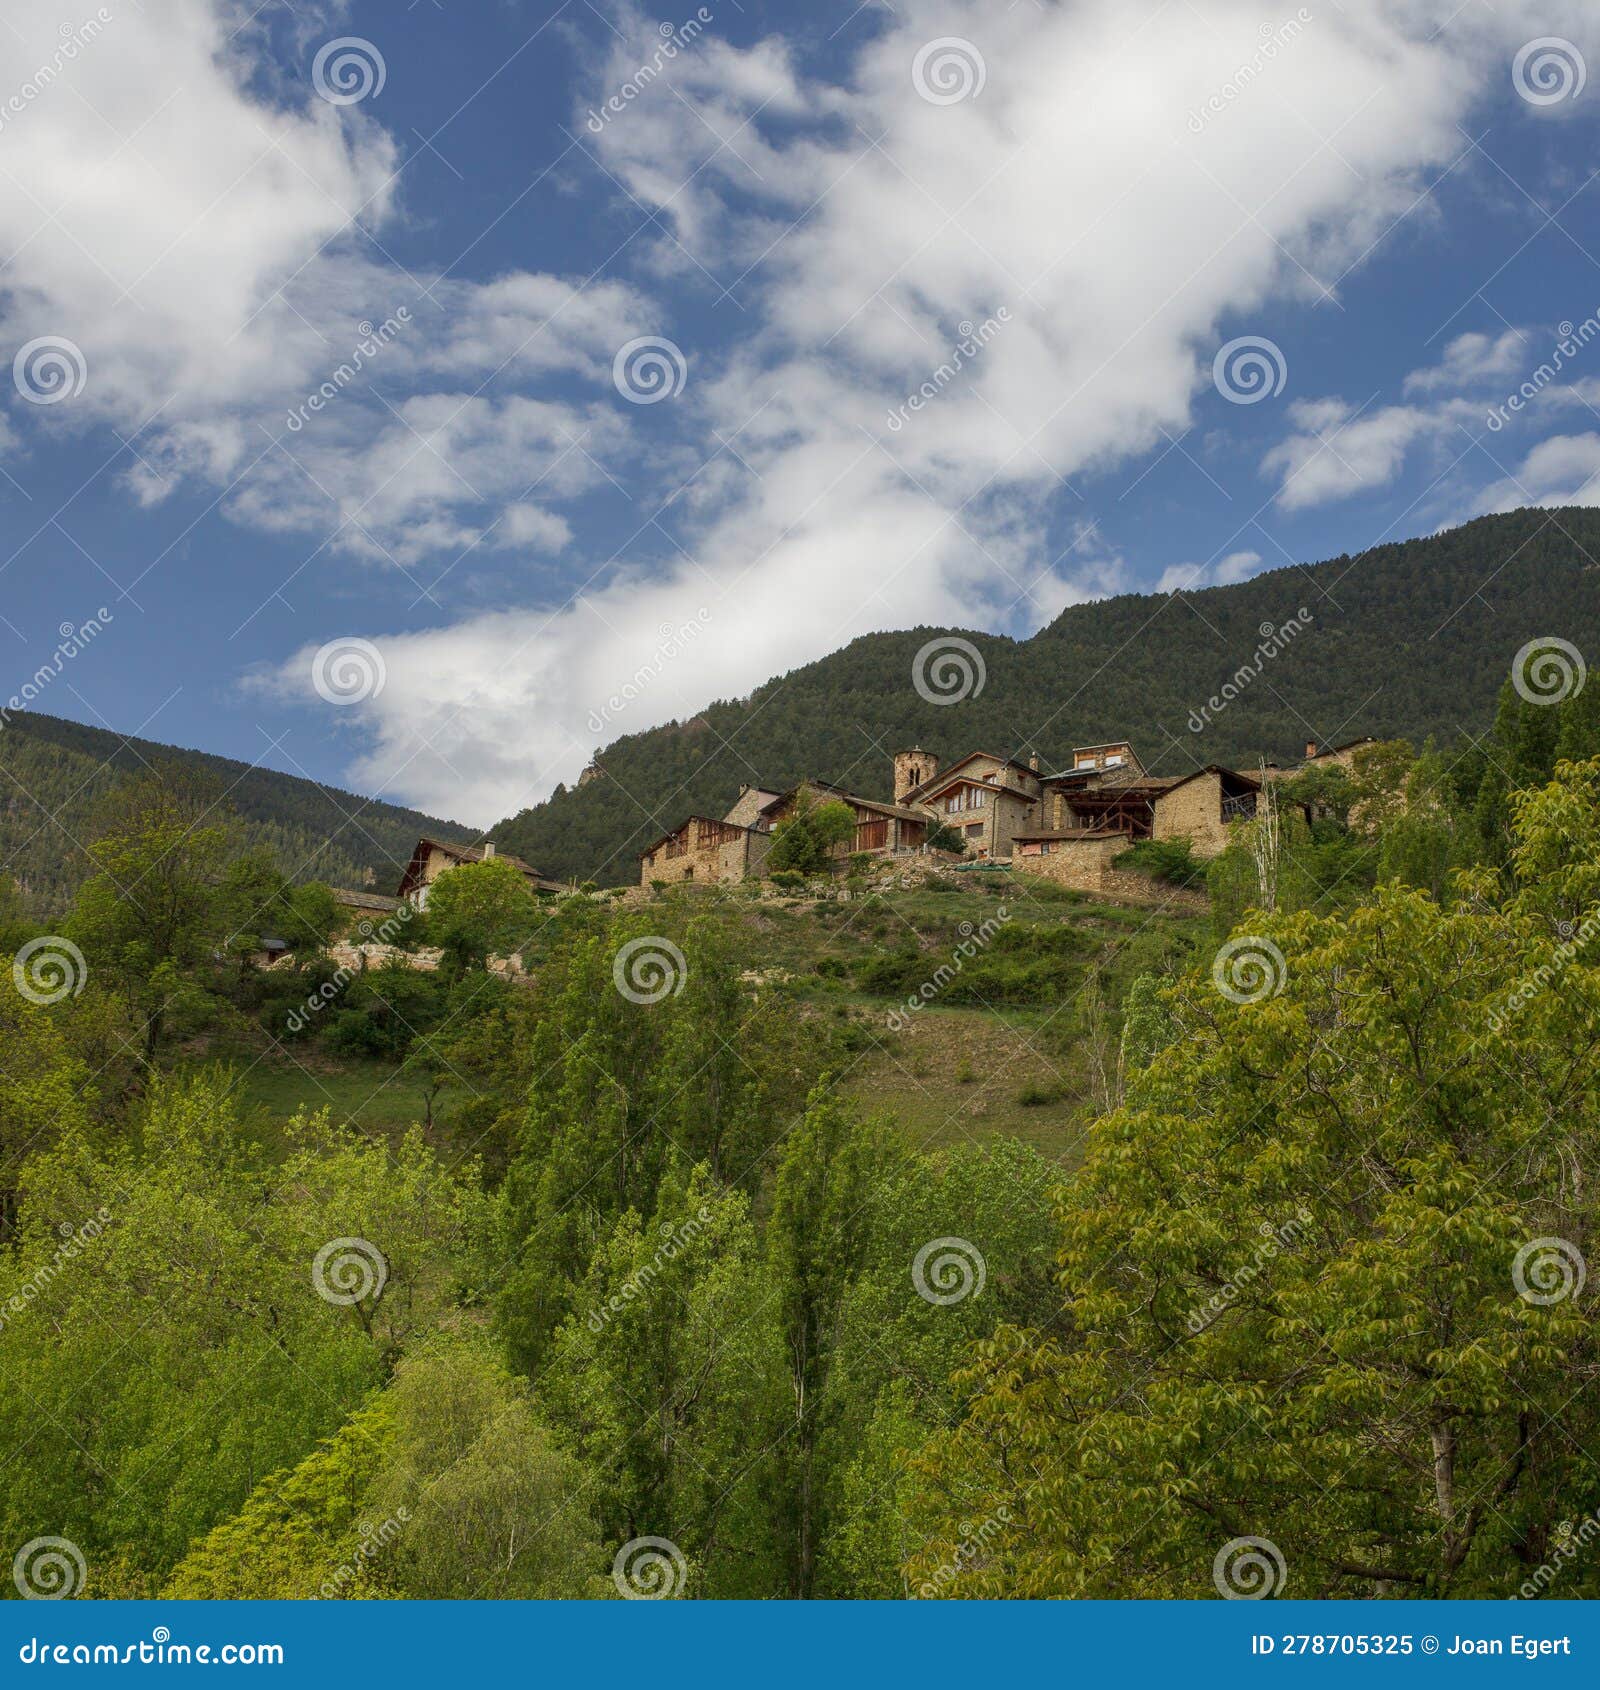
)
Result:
{"points": [[1171, 860]]}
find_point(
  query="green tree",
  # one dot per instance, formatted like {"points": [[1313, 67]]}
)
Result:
{"points": [[668, 1376], [481, 1501], [152, 912], [1321, 1267], [806, 840], [817, 1239], [45, 1093], [942, 837], [479, 910], [181, 1320]]}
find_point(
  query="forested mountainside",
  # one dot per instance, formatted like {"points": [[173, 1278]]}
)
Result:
{"points": [[54, 774], [1406, 640]]}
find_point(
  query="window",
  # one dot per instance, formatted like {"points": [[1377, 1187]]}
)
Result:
{"points": [[953, 802], [976, 797], [974, 830]]}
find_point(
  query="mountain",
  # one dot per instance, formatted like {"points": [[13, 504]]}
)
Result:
{"points": [[1405, 640], [54, 775]]}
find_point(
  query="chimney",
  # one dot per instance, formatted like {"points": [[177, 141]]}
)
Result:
{"points": [[1311, 748], [1033, 762], [488, 849]]}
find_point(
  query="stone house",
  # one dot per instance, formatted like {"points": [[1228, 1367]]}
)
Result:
{"points": [[881, 829], [984, 797], [706, 850], [363, 906], [1105, 802], [1087, 861], [1322, 757], [723, 851], [1201, 807], [433, 857]]}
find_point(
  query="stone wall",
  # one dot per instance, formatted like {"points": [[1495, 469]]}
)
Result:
{"points": [[1086, 866], [749, 804], [1193, 811]]}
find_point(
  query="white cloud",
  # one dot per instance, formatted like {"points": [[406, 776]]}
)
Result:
{"points": [[201, 243], [1227, 572], [1563, 470], [866, 225], [1472, 360], [1337, 452], [857, 225]]}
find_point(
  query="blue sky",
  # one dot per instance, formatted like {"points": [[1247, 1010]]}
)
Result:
{"points": [[935, 293]]}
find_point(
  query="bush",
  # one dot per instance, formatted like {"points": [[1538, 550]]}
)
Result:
{"points": [[354, 1033], [1171, 860]]}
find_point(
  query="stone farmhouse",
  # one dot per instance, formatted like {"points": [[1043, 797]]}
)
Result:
{"points": [[1322, 757], [1068, 825], [433, 856]]}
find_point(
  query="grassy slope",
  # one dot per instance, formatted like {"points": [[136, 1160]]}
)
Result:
{"points": [[954, 1071]]}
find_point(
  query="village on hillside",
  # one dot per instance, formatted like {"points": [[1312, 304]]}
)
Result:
{"points": [[1069, 825]]}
